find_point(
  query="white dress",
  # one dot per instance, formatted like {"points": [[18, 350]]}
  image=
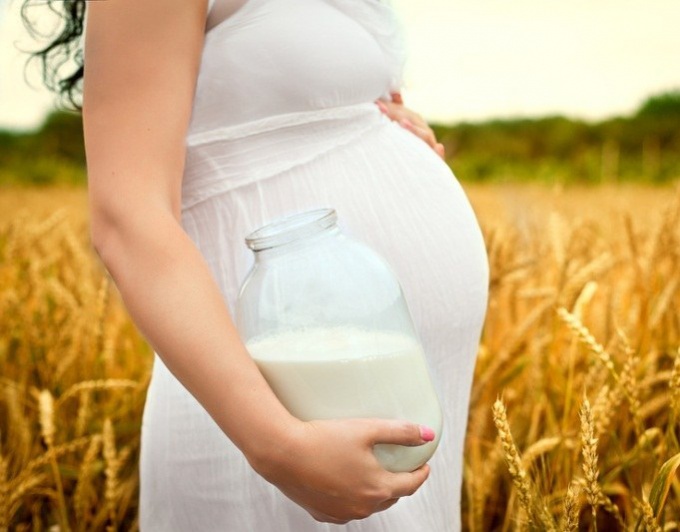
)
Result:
{"points": [[284, 120]]}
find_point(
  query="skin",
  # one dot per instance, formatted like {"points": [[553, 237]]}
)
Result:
{"points": [[136, 108], [410, 120]]}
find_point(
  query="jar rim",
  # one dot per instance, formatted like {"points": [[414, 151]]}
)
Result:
{"points": [[291, 227]]}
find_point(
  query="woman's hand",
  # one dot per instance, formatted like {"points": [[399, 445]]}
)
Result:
{"points": [[328, 467], [410, 120]]}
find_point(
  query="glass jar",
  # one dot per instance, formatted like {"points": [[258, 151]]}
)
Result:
{"points": [[324, 318]]}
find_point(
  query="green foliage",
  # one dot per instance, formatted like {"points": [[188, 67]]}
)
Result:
{"points": [[665, 105], [641, 147], [54, 154]]}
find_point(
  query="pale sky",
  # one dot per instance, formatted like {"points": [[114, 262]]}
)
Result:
{"points": [[478, 59]]}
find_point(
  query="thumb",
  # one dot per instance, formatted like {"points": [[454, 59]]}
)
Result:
{"points": [[400, 432]]}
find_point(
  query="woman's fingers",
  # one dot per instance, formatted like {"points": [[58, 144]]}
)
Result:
{"points": [[387, 504], [424, 133], [406, 484], [324, 518], [396, 97], [411, 121], [330, 468], [399, 432]]}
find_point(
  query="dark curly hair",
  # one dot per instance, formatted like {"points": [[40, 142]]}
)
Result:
{"points": [[64, 47]]}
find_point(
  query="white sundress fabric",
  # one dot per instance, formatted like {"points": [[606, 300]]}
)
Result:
{"points": [[284, 120]]}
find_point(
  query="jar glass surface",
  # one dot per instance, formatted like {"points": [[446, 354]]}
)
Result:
{"points": [[325, 319]]}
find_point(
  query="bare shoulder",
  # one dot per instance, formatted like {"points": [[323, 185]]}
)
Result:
{"points": [[141, 64], [130, 41]]}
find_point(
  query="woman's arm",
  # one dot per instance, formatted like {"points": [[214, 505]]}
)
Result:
{"points": [[141, 65]]}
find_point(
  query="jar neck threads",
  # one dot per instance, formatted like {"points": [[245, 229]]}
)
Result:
{"points": [[291, 228]]}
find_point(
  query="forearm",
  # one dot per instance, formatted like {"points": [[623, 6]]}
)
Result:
{"points": [[175, 302]]}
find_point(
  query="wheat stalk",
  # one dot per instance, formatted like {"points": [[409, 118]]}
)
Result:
{"points": [[572, 508], [578, 283], [101, 304], [4, 493], [589, 451], [44, 459], [594, 494], [603, 408], [542, 446], [74, 351], [83, 412], [588, 339], [110, 470], [647, 514], [664, 301], [84, 480], [89, 386], [674, 385], [46, 409], [49, 224], [62, 297], [632, 390], [584, 298], [527, 496], [20, 489]]}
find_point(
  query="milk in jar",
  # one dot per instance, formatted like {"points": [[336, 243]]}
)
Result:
{"points": [[340, 372], [324, 317]]}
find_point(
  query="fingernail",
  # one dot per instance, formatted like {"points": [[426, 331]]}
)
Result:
{"points": [[406, 122], [426, 433], [382, 105]]}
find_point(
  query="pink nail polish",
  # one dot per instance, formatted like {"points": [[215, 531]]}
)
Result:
{"points": [[406, 122], [382, 106], [426, 433]]}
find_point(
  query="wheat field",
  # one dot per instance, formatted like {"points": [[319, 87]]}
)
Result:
{"points": [[574, 412]]}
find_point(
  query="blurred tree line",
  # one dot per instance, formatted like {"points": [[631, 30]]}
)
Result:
{"points": [[52, 154], [641, 147]]}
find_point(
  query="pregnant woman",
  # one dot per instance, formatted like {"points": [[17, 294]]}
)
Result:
{"points": [[206, 120]]}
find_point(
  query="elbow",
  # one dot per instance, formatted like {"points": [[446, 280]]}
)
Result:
{"points": [[119, 235], [107, 228], [124, 228], [109, 221], [102, 233]]}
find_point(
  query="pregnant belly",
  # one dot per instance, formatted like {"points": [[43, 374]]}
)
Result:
{"points": [[408, 205], [391, 191]]}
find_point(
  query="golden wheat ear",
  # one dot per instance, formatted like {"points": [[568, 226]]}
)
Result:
{"points": [[572, 508], [530, 501]]}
